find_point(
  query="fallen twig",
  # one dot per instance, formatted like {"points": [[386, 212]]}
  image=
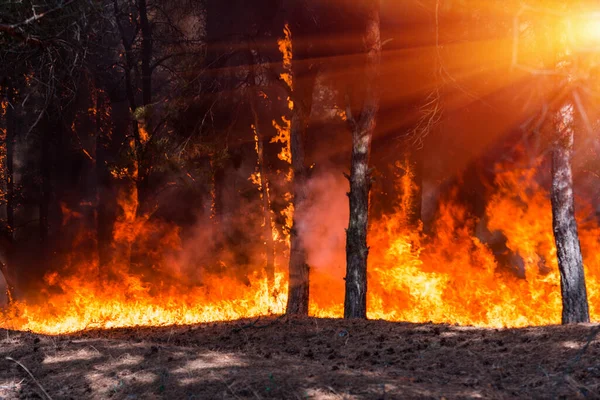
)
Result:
{"points": [[31, 375]]}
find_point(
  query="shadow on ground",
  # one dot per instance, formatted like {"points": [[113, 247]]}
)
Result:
{"points": [[290, 358]]}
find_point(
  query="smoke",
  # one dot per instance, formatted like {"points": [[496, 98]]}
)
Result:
{"points": [[323, 227]]}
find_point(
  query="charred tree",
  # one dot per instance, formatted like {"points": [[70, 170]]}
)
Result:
{"points": [[146, 70], [363, 127], [104, 218], [303, 74], [146, 30], [570, 262], [46, 166], [298, 292], [129, 59], [269, 243], [7, 248], [127, 40], [264, 185], [10, 156], [253, 95]]}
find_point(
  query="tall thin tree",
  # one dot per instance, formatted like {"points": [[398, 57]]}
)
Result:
{"points": [[362, 127], [298, 290], [570, 262]]}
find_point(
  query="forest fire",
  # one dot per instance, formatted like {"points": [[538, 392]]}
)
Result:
{"points": [[450, 277], [299, 199], [157, 216]]}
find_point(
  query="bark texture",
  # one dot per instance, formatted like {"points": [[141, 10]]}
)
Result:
{"points": [[264, 190], [303, 82], [570, 263], [50, 127], [147, 44], [7, 245], [298, 292], [10, 151], [357, 251]]}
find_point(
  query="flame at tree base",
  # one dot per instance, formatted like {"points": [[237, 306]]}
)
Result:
{"points": [[451, 276], [83, 306]]}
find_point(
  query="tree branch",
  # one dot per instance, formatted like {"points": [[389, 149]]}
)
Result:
{"points": [[14, 30]]}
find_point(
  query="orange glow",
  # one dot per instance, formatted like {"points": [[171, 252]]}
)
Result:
{"points": [[255, 177], [454, 277], [84, 305], [144, 135], [283, 127], [450, 278], [283, 137], [285, 47], [585, 31]]}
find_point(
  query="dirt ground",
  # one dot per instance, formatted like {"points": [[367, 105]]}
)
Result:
{"points": [[290, 358]]}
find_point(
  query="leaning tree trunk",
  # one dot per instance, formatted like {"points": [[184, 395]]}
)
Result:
{"points": [[570, 263], [357, 251], [298, 291]]}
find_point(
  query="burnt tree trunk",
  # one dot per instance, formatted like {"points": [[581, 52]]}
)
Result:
{"points": [[146, 30], [145, 61], [129, 58], [264, 190], [303, 84], [146, 67], [6, 264], [104, 195], [357, 251], [570, 262], [10, 155], [298, 291], [48, 129]]}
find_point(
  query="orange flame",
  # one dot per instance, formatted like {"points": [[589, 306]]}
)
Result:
{"points": [[286, 49], [452, 277]]}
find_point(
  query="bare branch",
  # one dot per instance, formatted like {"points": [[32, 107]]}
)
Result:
{"points": [[15, 31]]}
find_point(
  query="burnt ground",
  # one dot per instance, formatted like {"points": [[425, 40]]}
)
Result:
{"points": [[290, 358]]}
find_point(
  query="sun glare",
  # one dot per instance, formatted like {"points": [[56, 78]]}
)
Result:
{"points": [[585, 32]]}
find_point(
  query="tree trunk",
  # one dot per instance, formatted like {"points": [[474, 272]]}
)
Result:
{"points": [[355, 304], [264, 189], [298, 291], [10, 151], [46, 172], [104, 191], [146, 30], [570, 262], [302, 87], [146, 58], [146, 66], [6, 263]]}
